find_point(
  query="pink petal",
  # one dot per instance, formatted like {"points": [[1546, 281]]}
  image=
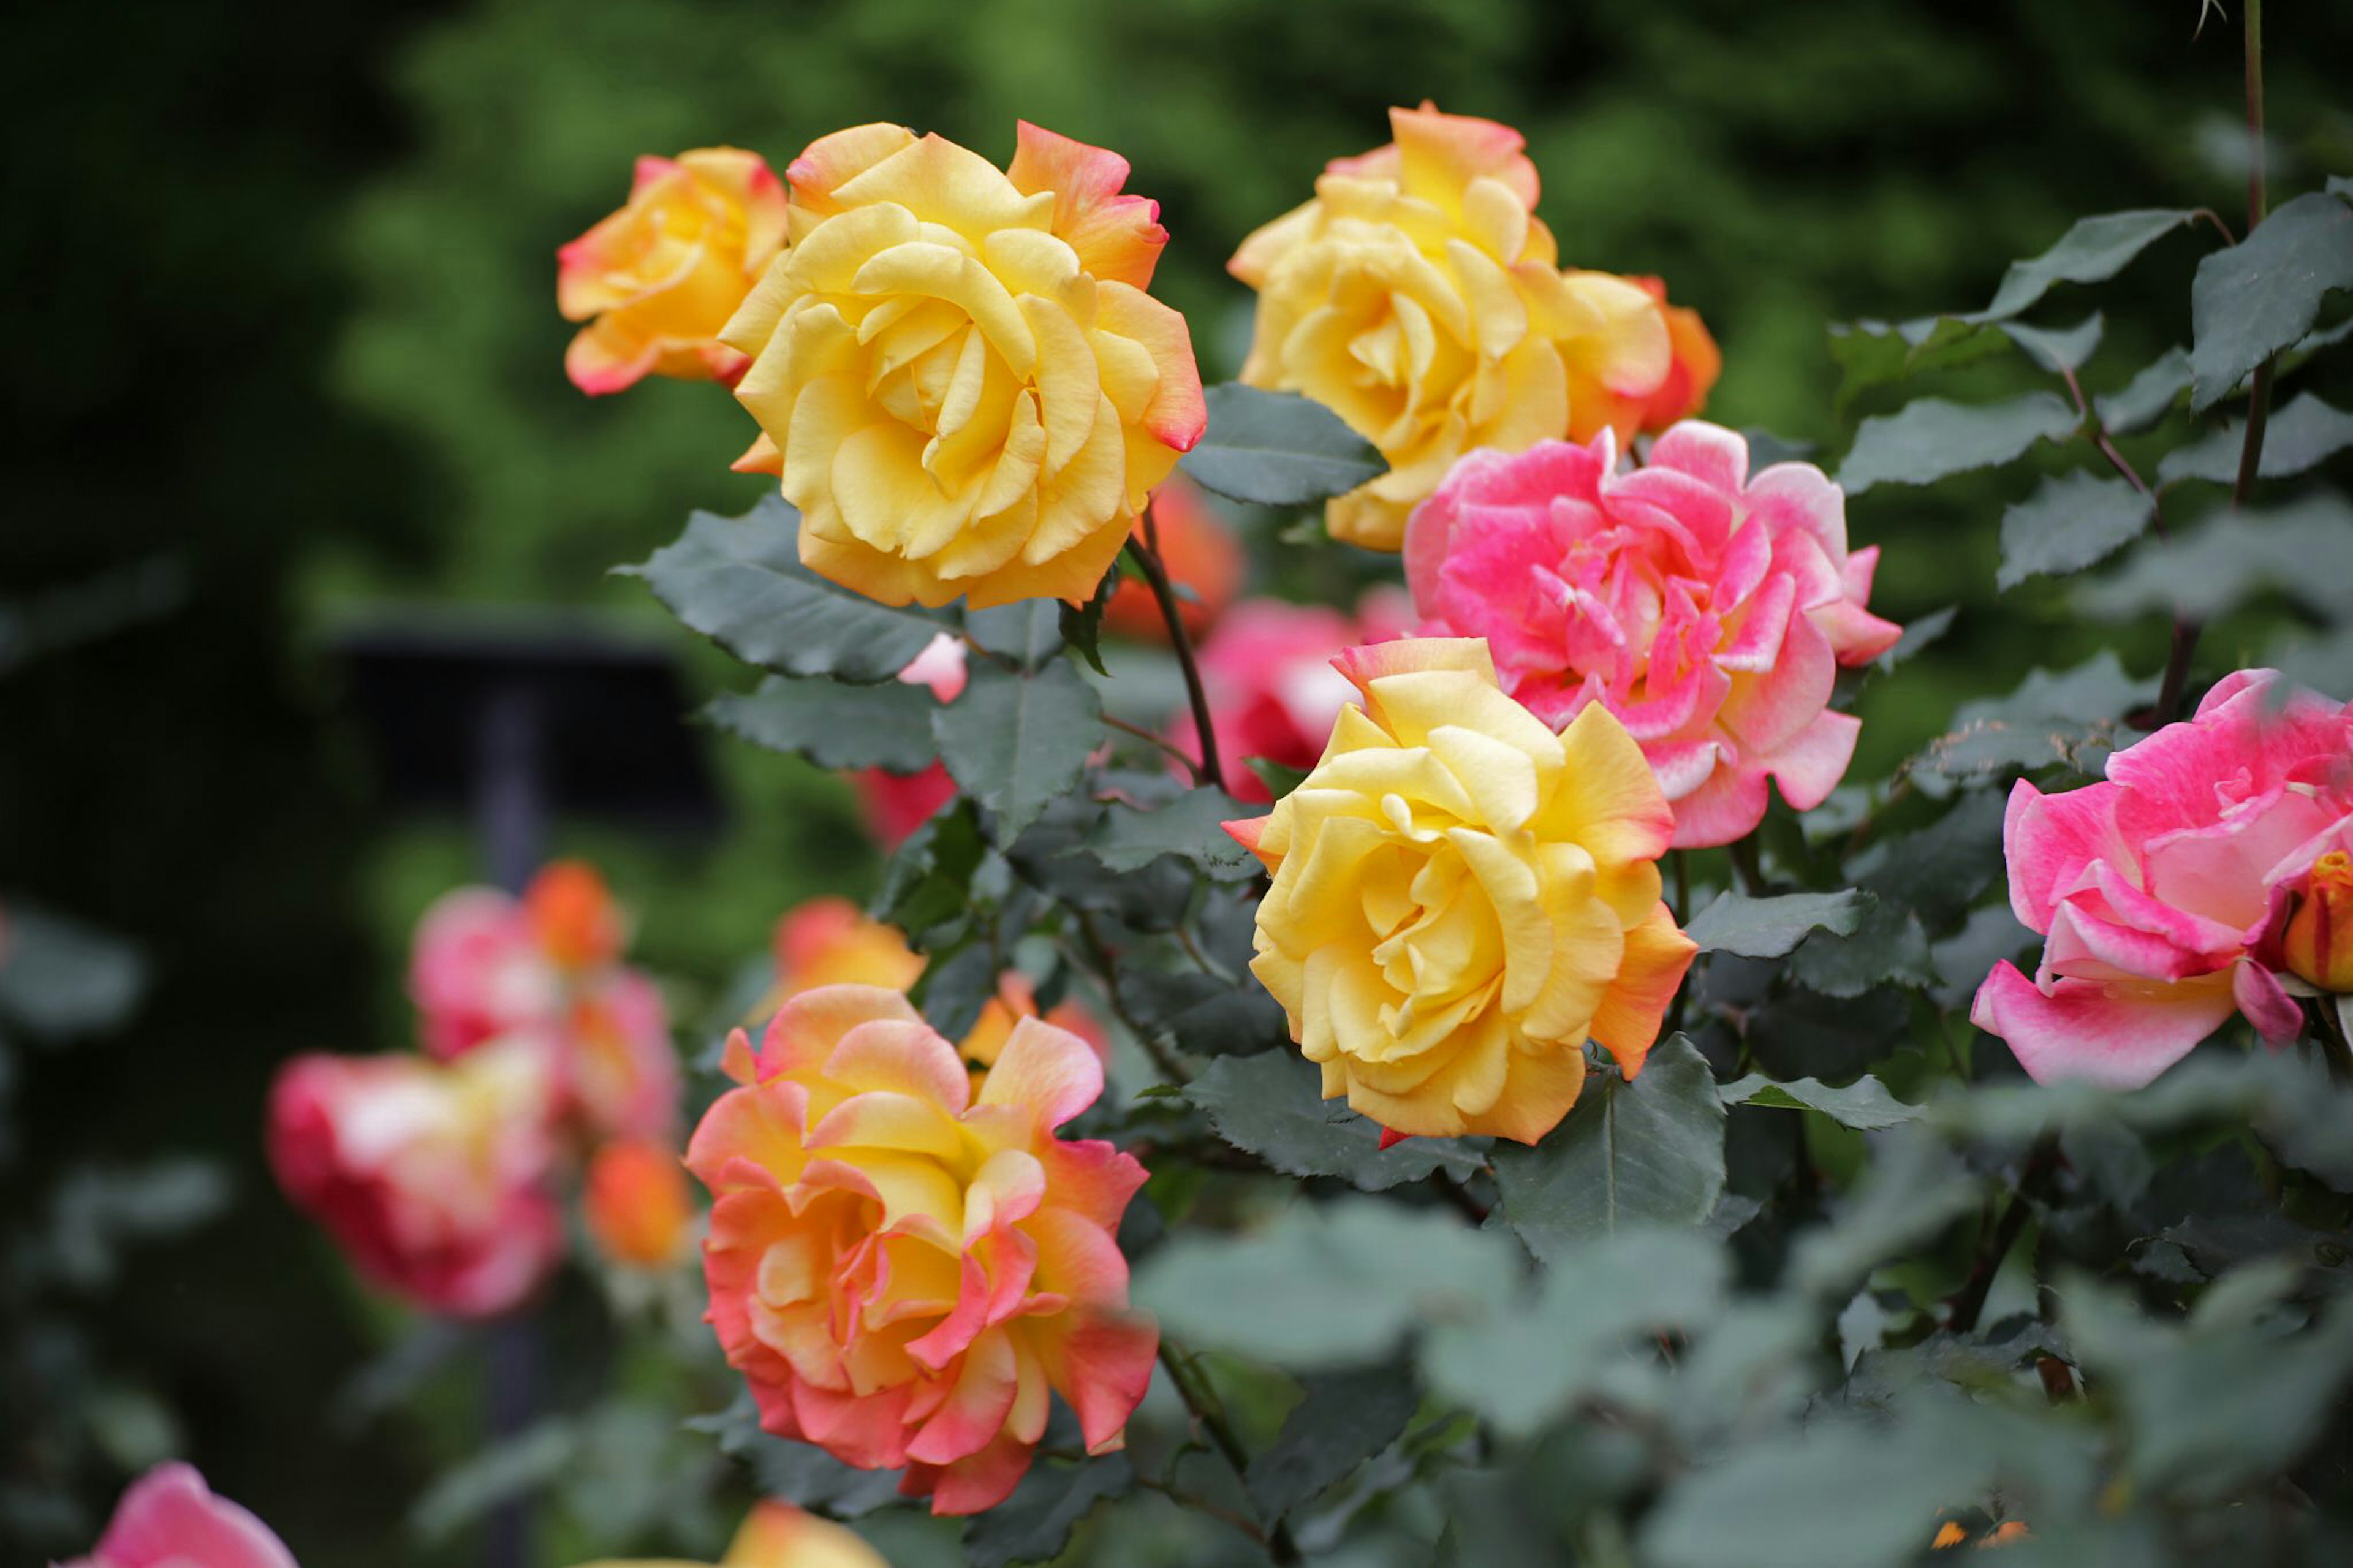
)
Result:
{"points": [[2115, 1034], [2049, 840], [1809, 767], [169, 1518], [2268, 1007], [1049, 1071]]}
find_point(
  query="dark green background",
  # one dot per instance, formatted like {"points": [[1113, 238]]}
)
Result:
{"points": [[281, 312]]}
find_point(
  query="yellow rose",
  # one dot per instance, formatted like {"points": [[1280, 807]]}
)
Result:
{"points": [[777, 1535], [1419, 298], [1463, 897], [656, 280], [966, 387]]}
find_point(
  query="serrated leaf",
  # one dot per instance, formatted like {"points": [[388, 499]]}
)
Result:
{"points": [[2071, 521], [2301, 435], [1647, 1151], [2147, 397], [1321, 1286], [834, 724], [1524, 1368], [1029, 632], [1082, 626], [1017, 741], [1278, 448], [2093, 249], [1940, 870], [1202, 1015], [2304, 549], [2050, 719], [1864, 1105], [1769, 928], [1346, 1417], [927, 883], [1930, 438], [740, 581], [2061, 350], [1034, 1524], [1189, 828], [1888, 946], [1805, 1033], [1270, 1105], [2259, 296], [1920, 632]]}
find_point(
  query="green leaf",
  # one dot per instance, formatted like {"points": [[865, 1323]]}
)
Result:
{"points": [[60, 979], [1324, 1285], [1769, 928], [1280, 780], [1864, 1105], [1082, 626], [1346, 1417], [2094, 249], [833, 724], [1189, 828], [740, 581], [1629, 1153], [1914, 1187], [1929, 438], [2299, 437], [1920, 632], [1269, 1104], [2261, 295], [927, 884], [1804, 1034], [2070, 522], [2304, 549], [1887, 945], [1938, 870], [1278, 448], [1034, 1524], [2148, 396], [1016, 742], [1029, 632], [2057, 351], [1874, 354], [1526, 1366], [2051, 719], [1202, 1015]]}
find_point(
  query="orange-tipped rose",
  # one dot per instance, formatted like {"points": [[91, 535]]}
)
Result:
{"points": [[1463, 897], [637, 1204], [2318, 942], [657, 280], [905, 1271], [1691, 372]]}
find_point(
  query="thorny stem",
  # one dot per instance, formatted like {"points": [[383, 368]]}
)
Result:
{"points": [[1211, 1415], [1145, 552]]}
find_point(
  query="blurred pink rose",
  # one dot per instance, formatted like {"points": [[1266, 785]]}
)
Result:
{"points": [[429, 1174], [1707, 609], [169, 1518], [1267, 669], [2160, 890]]}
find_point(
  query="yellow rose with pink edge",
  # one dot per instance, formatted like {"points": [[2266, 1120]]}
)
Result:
{"points": [[961, 380], [1419, 298], [1463, 897], [777, 1535], [656, 280]]}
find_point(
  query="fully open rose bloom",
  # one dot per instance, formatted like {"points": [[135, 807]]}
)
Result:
{"points": [[2159, 891], [169, 1518], [966, 388], [427, 1174], [902, 1267], [546, 967], [657, 280], [1462, 898], [1708, 609], [1272, 690], [1418, 297], [778, 1535]]}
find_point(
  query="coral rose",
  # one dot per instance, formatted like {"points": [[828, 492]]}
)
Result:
{"points": [[1204, 562], [1273, 693], [1462, 898], [427, 1174], [778, 1535], [657, 280], [1707, 609], [968, 387], [169, 1518], [635, 1203], [2158, 890], [1419, 298], [903, 1270]]}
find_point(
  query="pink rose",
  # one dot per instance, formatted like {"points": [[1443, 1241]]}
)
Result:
{"points": [[2159, 890], [1708, 610], [169, 1518], [1272, 692], [429, 1174]]}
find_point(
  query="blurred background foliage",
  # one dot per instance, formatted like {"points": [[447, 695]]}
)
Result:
{"points": [[284, 342]]}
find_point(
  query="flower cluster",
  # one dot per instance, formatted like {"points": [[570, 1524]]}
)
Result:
{"points": [[904, 1268], [1708, 609], [2176, 893]]}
